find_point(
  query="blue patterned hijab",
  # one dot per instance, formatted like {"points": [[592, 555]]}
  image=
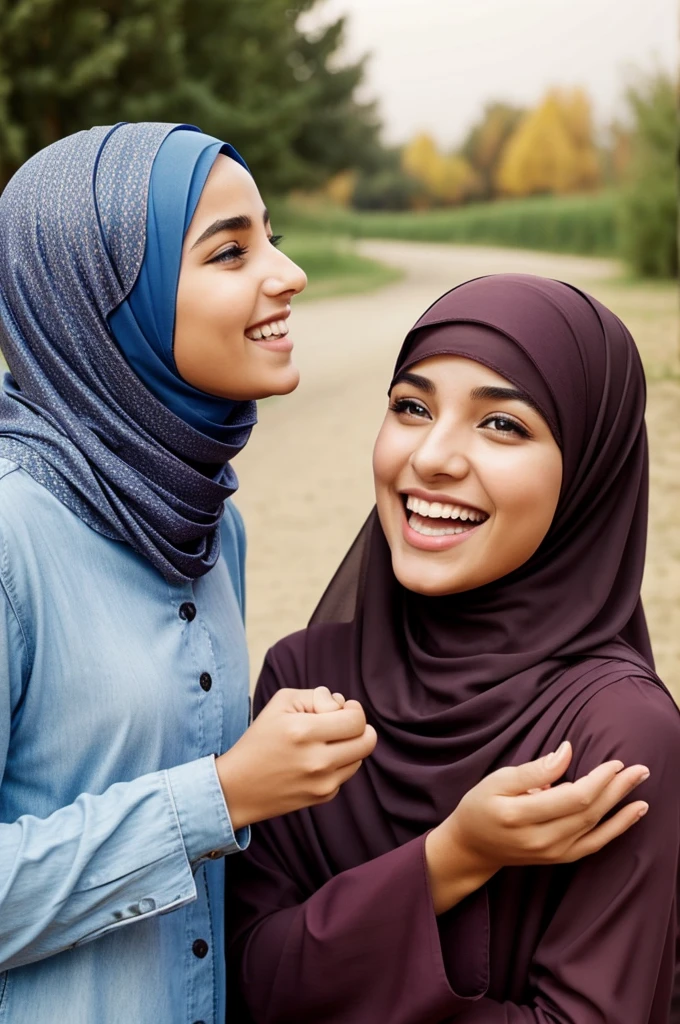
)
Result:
{"points": [[137, 454]]}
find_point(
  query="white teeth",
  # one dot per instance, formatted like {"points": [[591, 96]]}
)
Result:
{"points": [[275, 329], [438, 510], [416, 523]]}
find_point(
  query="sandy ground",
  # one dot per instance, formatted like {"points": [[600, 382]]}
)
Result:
{"points": [[305, 475]]}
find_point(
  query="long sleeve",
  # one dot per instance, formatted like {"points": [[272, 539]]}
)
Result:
{"points": [[104, 860], [366, 946], [608, 953], [363, 948]]}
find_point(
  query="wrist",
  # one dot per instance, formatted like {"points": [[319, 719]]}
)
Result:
{"points": [[455, 871], [229, 776]]}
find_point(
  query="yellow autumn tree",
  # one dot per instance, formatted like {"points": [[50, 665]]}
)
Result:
{"points": [[448, 179], [552, 149], [452, 180]]}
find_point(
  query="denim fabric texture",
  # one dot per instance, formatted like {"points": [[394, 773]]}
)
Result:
{"points": [[117, 688]]}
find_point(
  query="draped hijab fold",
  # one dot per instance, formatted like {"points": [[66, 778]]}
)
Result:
{"points": [[73, 413], [453, 683]]}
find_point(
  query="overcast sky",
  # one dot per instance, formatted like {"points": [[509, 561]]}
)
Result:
{"points": [[435, 63]]}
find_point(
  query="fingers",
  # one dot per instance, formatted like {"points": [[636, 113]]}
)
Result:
{"points": [[346, 752], [316, 701], [567, 799], [608, 830], [534, 774], [323, 700], [348, 725], [591, 796]]}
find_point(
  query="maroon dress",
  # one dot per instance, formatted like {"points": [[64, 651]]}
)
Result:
{"points": [[330, 914]]}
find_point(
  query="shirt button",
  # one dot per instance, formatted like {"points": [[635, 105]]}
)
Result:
{"points": [[200, 948], [215, 854], [205, 681], [187, 611]]}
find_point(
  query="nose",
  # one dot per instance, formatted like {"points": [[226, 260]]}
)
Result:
{"points": [[439, 455], [285, 276]]}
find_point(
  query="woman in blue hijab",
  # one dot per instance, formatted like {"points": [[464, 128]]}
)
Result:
{"points": [[128, 254]]}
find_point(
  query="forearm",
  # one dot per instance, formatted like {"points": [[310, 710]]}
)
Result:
{"points": [[453, 871], [104, 861]]}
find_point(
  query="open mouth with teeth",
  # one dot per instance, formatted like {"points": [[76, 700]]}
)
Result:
{"points": [[437, 519], [273, 329]]}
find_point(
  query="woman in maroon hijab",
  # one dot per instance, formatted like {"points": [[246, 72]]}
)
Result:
{"points": [[489, 610]]}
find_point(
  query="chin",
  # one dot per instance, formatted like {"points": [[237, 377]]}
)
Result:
{"points": [[422, 581], [286, 382], [281, 383]]}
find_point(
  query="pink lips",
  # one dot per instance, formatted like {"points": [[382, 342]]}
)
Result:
{"points": [[443, 543], [273, 344]]}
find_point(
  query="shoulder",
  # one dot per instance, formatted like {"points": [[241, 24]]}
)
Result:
{"points": [[32, 519], [633, 719]]}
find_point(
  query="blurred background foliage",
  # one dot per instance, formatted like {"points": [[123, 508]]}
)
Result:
{"points": [[244, 70]]}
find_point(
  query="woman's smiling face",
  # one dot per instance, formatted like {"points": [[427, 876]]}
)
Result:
{"points": [[233, 300], [467, 476]]}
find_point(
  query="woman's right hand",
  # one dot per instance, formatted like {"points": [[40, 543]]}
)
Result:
{"points": [[298, 752], [515, 816]]}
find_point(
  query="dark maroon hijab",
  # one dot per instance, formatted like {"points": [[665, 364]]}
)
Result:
{"points": [[468, 673], [458, 686]]}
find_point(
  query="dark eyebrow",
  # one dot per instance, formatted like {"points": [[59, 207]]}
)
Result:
{"points": [[416, 381], [509, 394], [239, 223]]}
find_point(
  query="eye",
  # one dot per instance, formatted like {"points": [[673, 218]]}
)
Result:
{"points": [[409, 407], [276, 240], [230, 255], [500, 424]]}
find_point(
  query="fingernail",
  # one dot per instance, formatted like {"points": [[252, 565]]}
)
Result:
{"points": [[643, 811], [643, 778], [552, 758]]}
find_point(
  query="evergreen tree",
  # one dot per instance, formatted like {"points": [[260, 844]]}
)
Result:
{"points": [[242, 70], [70, 64]]}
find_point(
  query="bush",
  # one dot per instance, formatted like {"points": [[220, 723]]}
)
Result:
{"points": [[573, 224], [387, 190], [648, 216]]}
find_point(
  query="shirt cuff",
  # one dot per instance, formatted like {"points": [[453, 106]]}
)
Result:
{"points": [[202, 811]]}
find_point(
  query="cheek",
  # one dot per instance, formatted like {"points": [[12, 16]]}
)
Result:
{"points": [[213, 302], [525, 492], [390, 455]]}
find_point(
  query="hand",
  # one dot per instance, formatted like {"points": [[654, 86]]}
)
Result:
{"points": [[298, 752], [516, 817]]}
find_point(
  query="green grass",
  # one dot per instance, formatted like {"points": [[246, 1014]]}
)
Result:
{"points": [[584, 224], [333, 267]]}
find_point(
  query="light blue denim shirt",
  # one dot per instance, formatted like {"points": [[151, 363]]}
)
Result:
{"points": [[116, 691]]}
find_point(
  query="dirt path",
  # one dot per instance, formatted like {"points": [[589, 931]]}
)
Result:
{"points": [[305, 475]]}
